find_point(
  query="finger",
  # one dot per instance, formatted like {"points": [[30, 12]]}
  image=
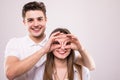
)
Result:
{"points": [[68, 47], [71, 36], [55, 34], [53, 47], [60, 36]]}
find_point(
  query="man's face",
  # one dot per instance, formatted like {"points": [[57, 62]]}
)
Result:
{"points": [[35, 21]]}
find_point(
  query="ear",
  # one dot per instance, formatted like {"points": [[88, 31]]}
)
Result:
{"points": [[46, 19], [24, 22]]}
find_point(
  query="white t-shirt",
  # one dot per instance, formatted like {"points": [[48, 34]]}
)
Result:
{"points": [[85, 73], [22, 48]]}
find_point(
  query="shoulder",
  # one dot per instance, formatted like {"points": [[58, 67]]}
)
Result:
{"points": [[16, 40], [14, 47]]}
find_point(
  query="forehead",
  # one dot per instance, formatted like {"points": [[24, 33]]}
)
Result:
{"points": [[34, 14], [62, 38]]}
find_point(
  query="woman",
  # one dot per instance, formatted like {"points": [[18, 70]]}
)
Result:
{"points": [[60, 58]]}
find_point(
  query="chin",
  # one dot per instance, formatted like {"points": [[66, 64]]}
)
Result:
{"points": [[37, 35], [61, 58]]}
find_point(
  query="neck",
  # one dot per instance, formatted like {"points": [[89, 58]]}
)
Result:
{"points": [[60, 69], [37, 39], [60, 63]]}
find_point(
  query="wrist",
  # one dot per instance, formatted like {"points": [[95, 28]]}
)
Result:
{"points": [[42, 51], [82, 50]]}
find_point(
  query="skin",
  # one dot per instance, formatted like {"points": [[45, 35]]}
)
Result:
{"points": [[61, 52]]}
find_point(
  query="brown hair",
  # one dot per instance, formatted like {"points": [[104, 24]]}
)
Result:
{"points": [[33, 6], [50, 61]]}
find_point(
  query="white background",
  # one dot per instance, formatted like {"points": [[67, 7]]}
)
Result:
{"points": [[95, 22]]}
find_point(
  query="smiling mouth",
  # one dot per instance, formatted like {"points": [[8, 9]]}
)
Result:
{"points": [[36, 29], [62, 52]]}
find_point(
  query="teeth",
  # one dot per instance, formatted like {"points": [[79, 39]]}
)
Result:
{"points": [[62, 52], [36, 29]]}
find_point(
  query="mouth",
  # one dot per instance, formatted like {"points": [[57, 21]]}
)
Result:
{"points": [[62, 52], [36, 30]]}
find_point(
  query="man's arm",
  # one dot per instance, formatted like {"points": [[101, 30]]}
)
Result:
{"points": [[15, 67]]}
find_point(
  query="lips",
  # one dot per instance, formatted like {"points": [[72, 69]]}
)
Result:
{"points": [[61, 52], [36, 29]]}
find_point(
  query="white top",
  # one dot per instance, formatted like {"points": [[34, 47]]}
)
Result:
{"points": [[85, 73], [22, 48]]}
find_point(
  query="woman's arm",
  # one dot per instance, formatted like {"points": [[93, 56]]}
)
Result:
{"points": [[84, 58]]}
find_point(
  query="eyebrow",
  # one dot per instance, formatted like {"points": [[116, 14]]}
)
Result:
{"points": [[36, 18], [40, 17]]}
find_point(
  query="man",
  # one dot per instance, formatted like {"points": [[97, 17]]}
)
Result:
{"points": [[24, 55]]}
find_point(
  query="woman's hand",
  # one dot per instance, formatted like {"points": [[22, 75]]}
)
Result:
{"points": [[49, 46], [75, 43]]}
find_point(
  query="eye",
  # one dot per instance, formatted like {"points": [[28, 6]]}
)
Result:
{"points": [[68, 43], [40, 19], [56, 42], [30, 20]]}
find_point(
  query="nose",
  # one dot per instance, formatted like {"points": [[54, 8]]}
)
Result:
{"points": [[62, 46], [36, 23]]}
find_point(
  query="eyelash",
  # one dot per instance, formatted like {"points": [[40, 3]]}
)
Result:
{"points": [[39, 19], [68, 43], [56, 42], [30, 20]]}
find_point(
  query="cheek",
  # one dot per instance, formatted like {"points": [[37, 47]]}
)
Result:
{"points": [[28, 26], [27, 23], [43, 23], [44, 28], [68, 52], [55, 53]]}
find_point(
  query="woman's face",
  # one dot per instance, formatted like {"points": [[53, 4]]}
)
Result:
{"points": [[62, 51]]}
